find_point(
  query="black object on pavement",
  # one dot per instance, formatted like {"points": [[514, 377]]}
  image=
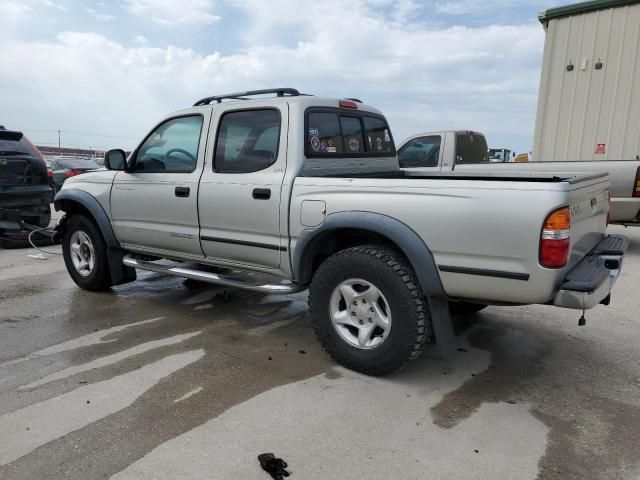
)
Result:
{"points": [[273, 466]]}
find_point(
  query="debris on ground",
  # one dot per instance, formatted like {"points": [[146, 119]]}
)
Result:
{"points": [[273, 466]]}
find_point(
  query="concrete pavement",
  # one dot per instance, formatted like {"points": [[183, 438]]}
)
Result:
{"points": [[162, 379]]}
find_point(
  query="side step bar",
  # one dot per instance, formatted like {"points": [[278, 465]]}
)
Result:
{"points": [[210, 277]]}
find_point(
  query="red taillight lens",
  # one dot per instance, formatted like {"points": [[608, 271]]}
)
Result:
{"points": [[49, 172], [636, 184], [554, 240], [71, 173], [348, 104]]}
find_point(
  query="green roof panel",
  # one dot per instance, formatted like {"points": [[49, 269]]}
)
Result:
{"points": [[583, 7]]}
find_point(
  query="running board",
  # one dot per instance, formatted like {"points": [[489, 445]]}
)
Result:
{"points": [[210, 277]]}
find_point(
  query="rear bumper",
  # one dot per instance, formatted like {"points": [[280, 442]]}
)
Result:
{"points": [[26, 196], [590, 281]]}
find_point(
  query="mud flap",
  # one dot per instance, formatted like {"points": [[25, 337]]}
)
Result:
{"points": [[442, 324]]}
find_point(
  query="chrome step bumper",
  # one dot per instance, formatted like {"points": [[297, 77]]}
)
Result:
{"points": [[590, 281], [211, 277]]}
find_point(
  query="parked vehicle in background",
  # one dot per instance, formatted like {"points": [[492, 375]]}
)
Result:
{"points": [[67, 167], [501, 155], [293, 191], [462, 152], [25, 194]]}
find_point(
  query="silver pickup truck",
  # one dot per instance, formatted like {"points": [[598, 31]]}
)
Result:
{"points": [[277, 192], [466, 151]]}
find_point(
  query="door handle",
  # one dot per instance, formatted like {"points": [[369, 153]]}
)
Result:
{"points": [[182, 191], [262, 193]]}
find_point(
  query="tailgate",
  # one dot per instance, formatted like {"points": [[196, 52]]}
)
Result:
{"points": [[589, 208]]}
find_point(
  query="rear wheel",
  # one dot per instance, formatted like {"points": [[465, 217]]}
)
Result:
{"points": [[85, 254], [368, 311]]}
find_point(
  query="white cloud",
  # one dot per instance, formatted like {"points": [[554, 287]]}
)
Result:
{"points": [[458, 77], [140, 39], [174, 12], [100, 15]]}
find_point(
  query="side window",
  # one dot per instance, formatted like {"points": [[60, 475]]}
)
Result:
{"points": [[471, 148], [420, 152], [324, 135], [172, 147], [247, 141]]}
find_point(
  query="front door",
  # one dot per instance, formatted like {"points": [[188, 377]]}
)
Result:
{"points": [[421, 152], [154, 206], [239, 199]]}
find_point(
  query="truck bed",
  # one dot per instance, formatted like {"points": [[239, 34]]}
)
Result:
{"points": [[483, 230]]}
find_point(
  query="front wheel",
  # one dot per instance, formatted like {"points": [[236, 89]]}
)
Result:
{"points": [[368, 310], [85, 254]]}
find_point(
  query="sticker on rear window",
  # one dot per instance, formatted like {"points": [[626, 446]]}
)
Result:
{"points": [[354, 145], [379, 143], [313, 132], [315, 144], [387, 138]]}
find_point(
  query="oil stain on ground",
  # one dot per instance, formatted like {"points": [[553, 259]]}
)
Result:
{"points": [[590, 436]]}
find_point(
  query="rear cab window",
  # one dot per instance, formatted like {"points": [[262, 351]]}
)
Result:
{"points": [[471, 148], [332, 132]]}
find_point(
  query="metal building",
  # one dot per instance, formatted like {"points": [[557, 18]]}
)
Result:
{"points": [[589, 100]]}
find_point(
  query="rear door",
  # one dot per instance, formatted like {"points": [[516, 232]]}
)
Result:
{"points": [[240, 191], [154, 206]]}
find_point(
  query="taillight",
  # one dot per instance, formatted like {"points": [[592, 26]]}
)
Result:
{"points": [[554, 240], [49, 172], [348, 104], [636, 184], [71, 173]]}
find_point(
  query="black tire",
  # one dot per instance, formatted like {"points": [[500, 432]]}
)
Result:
{"points": [[100, 277], [390, 273], [45, 220], [465, 308]]}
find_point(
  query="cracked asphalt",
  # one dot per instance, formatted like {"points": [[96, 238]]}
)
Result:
{"points": [[166, 379]]}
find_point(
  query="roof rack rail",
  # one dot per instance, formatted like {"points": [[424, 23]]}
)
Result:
{"points": [[280, 92]]}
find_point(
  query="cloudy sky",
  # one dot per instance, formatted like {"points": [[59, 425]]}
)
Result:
{"points": [[104, 72]]}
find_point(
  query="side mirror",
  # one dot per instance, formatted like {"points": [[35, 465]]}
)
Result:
{"points": [[115, 159]]}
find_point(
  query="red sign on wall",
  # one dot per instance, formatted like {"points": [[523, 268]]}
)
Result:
{"points": [[601, 148]]}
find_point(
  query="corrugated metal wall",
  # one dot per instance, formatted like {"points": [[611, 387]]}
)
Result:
{"points": [[581, 110]]}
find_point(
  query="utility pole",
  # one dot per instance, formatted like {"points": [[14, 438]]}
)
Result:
{"points": [[58, 139]]}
